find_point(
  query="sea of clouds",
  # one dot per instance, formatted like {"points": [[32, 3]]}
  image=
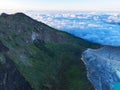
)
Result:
{"points": [[98, 27]]}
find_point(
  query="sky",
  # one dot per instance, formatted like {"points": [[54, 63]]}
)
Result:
{"points": [[103, 5]]}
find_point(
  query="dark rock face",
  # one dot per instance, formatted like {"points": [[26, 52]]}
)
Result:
{"points": [[3, 48], [10, 77], [103, 67], [4, 15]]}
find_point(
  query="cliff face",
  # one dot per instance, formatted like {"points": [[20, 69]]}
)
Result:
{"points": [[103, 66]]}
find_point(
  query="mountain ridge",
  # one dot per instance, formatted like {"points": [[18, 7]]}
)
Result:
{"points": [[47, 58]]}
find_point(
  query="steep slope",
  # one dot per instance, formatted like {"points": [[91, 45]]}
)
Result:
{"points": [[103, 67], [10, 77], [48, 59]]}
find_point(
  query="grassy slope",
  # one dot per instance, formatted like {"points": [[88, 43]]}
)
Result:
{"points": [[50, 63], [54, 66]]}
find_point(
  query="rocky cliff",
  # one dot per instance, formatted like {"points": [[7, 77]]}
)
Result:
{"points": [[103, 66]]}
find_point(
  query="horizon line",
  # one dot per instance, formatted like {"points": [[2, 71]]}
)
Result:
{"points": [[24, 10]]}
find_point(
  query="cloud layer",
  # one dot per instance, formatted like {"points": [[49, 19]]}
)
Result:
{"points": [[102, 28]]}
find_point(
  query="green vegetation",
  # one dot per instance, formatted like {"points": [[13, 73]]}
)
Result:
{"points": [[50, 62]]}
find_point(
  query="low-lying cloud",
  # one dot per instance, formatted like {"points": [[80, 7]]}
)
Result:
{"points": [[102, 28]]}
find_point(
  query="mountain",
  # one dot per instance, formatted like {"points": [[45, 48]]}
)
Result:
{"points": [[34, 56], [103, 67]]}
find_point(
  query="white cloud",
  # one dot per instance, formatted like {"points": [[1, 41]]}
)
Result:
{"points": [[113, 19], [90, 26], [94, 25]]}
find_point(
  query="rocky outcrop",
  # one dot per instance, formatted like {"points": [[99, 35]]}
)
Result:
{"points": [[103, 67]]}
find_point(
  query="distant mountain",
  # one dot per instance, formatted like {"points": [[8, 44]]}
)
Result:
{"points": [[103, 67], [34, 56]]}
